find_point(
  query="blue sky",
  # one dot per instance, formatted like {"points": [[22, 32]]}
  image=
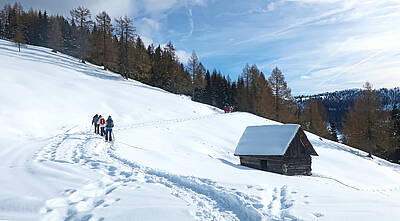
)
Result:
{"points": [[320, 45]]}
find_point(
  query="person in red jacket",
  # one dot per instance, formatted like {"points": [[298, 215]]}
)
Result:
{"points": [[102, 123]]}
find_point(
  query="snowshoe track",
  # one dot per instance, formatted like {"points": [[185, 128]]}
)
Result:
{"points": [[164, 122], [206, 194], [211, 200]]}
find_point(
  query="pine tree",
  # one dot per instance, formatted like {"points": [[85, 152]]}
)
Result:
{"points": [[10, 23], [55, 38], [156, 72], [168, 68], [95, 45], [3, 23], [394, 128], [240, 98], [68, 35], [141, 61], [43, 27], [333, 131]]}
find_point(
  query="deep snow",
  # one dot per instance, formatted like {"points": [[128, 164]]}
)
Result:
{"points": [[172, 158], [277, 138]]}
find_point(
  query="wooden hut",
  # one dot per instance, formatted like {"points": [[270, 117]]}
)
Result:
{"points": [[282, 149]]}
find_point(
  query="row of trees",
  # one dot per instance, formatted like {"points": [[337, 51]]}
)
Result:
{"points": [[253, 92], [118, 48], [102, 41]]}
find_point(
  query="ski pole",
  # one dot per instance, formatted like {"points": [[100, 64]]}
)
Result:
{"points": [[112, 132]]}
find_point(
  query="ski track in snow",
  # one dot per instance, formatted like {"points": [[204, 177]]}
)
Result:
{"points": [[361, 154], [211, 200]]}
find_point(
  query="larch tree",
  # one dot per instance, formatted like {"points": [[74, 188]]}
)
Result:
{"points": [[249, 91], [198, 81], [126, 33], [282, 96], [19, 29], [263, 99], [104, 24], [82, 17], [247, 75], [313, 118], [19, 38], [363, 126], [193, 66]]}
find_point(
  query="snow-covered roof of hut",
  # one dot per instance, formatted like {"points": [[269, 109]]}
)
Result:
{"points": [[266, 140]]}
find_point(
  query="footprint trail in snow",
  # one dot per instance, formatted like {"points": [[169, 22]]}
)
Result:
{"points": [[210, 200]]}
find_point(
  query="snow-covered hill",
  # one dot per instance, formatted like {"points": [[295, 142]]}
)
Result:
{"points": [[172, 158]]}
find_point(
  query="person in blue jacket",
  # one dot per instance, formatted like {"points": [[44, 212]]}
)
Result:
{"points": [[109, 127]]}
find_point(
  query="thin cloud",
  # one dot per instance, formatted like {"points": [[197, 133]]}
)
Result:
{"points": [[303, 22], [191, 23]]}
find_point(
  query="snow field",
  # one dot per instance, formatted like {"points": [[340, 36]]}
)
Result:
{"points": [[172, 158]]}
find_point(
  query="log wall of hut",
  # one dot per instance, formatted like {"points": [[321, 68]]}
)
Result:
{"points": [[297, 157], [295, 161]]}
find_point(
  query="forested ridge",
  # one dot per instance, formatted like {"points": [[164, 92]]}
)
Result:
{"points": [[338, 103], [366, 119]]}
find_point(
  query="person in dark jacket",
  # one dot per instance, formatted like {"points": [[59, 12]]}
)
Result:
{"points": [[94, 122], [109, 127]]}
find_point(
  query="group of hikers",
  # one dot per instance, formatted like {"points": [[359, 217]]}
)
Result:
{"points": [[228, 108], [103, 127]]}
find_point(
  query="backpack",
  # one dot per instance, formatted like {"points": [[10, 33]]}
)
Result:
{"points": [[110, 123], [102, 121]]}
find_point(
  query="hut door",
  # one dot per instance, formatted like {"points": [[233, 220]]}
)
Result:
{"points": [[263, 164]]}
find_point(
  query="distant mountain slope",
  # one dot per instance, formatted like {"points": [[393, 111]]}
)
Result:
{"points": [[338, 103]]}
